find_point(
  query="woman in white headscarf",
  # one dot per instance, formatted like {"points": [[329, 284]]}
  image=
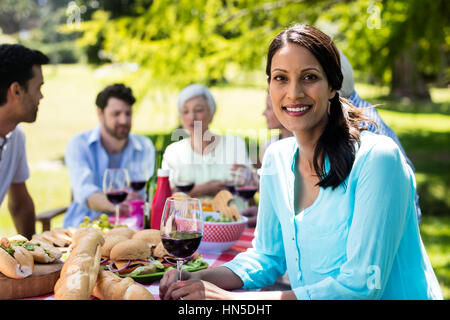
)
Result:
{"points": [[205, 157]]}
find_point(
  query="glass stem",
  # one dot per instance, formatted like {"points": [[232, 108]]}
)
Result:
{"points": [[246, 206], [179, 269], [116, 222]]}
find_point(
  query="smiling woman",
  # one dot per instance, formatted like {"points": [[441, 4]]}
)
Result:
{"points": [[336, 201], [304, 73]]}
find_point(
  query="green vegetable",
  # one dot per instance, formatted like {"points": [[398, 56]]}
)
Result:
{"points": [[29, 246], [195, 263], [9, 250], [221, 218], [101, 223]]}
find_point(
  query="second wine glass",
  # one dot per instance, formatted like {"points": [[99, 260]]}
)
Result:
{"points": [[116, 184], [181, 228]]}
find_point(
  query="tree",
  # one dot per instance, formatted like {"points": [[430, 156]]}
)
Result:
{"points": [[401, 42], [16, 15], [184, 41]]}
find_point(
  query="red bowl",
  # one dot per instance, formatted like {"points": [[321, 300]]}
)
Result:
{"points": [[217, 236], [220, 236]]}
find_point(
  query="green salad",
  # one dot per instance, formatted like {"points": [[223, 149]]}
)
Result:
{"points": [[221, 218]]}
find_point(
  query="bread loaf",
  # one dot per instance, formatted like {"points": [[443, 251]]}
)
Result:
{"points": [[80, 271], [111, 287], [17, 266]]}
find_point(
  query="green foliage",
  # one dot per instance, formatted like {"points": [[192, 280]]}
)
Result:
{"points": [[16, 15], [374, 33], [186, 41], [35, 24]]}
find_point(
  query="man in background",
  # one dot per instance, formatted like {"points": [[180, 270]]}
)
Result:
{"points": [[110, 145], [21, 80]]}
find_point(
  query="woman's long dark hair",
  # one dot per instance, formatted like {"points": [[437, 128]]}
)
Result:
{"points": [[345, 122]]}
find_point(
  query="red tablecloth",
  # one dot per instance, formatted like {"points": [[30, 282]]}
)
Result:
{"points": [[213, 260]]}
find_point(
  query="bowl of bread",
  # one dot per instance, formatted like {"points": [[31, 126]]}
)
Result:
{"points": [[223, 225]]}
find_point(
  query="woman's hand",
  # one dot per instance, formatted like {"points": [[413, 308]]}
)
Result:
{"points": [[169, 278], [195, 289]]}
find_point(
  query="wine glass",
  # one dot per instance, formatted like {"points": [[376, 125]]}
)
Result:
{"points": [[116, 183], [139, 174], [184, 179], [231, 180], [247, 183], [181, 228]]}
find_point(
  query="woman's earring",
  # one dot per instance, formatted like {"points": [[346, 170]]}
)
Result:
{"points": [[329, 107]]}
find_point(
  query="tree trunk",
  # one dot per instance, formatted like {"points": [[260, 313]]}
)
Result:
{"points": [[407, 81]]}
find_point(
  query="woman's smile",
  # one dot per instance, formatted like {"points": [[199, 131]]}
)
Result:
{"points": [[297, 110], [299, 90]]}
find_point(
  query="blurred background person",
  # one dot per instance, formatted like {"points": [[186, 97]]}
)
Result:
{"points": [[203, 159], [110, 145], [272, 124], [21, 80]]}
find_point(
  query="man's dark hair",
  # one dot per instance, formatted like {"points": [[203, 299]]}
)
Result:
{"points": [[16, 65], [117, 90]]}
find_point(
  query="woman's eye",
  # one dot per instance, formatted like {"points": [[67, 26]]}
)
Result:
{"points": [[279, 78], [310, 77]]}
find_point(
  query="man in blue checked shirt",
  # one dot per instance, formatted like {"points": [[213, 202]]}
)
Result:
{"points": [[348, 91], [110, 145]]}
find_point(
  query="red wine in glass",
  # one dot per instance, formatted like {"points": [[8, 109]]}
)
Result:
{"points": [[230, 187], [137, 185], [181, 228], [181, 244], [116, 197], [246, 192], [185, 187]]}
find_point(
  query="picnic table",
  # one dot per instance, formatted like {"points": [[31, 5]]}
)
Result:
{"points": [[213, 260]]}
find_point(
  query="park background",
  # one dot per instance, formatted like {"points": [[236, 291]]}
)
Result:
{"points": [[400, 52]]}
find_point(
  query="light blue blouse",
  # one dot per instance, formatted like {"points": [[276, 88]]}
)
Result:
{"points": [[358, 241]]}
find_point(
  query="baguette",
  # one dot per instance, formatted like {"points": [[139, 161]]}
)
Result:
{"points": [[45, 252], [111, 287], [42, 251], [80, 271], [17, 266]]}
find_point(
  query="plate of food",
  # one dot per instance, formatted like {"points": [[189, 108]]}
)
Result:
{"points": [[141, 255], [155, 270]]}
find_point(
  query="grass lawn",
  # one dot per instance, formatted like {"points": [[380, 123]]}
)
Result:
{"points": [[68, 108]]}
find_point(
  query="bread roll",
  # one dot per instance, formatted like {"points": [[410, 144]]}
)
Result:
{"points": [[111, 287], [110, 242], [41, 251], [160, 251], [18, 266], [131, 249], [151, 236], [123, 231], [53, 253]]}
